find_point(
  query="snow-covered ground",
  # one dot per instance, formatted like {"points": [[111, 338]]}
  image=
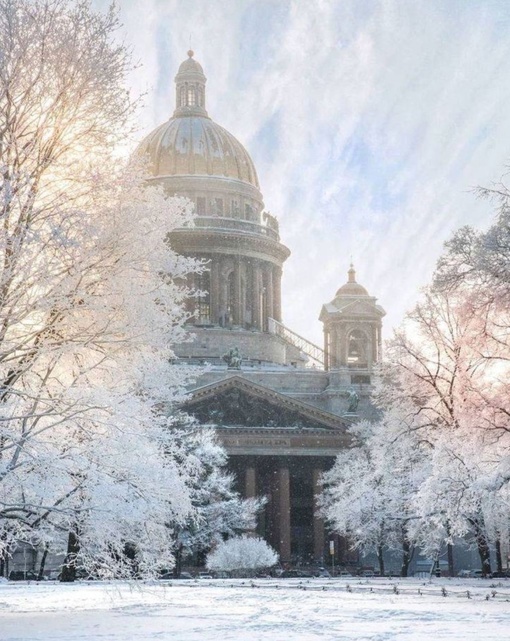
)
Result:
{"points": [[265, 609]]}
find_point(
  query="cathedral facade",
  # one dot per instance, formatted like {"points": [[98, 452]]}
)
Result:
{"points": [[280, 404]]}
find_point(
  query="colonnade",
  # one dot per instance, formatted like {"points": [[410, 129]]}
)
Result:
{"points": [[243, 292], [291, 486]]}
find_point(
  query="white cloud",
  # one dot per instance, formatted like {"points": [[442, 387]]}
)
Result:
{"points": [[369, 123]]}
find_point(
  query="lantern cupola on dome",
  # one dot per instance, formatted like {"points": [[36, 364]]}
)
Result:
{"points": [[190, 88]]}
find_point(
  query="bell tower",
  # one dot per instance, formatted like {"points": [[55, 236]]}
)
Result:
{"points": [[352, 333]]}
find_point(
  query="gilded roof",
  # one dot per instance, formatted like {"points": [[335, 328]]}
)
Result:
{"points": [[195, 145]]}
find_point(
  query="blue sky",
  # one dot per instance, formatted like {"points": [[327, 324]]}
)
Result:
{"points": [[370, 123]]}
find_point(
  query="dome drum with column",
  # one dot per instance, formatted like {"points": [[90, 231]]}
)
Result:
{"points": [[192, 156]]}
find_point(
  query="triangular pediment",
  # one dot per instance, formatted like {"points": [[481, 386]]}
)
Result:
{"points": [[238, 402], [352, 308]]}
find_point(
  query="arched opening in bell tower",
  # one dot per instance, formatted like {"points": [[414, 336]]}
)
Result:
{"points": [[357, 352]]}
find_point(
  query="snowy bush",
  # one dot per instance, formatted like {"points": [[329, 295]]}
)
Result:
{"points": [[242, 553]]}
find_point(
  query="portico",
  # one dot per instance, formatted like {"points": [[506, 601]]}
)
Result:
{"points": [[278, 448]]}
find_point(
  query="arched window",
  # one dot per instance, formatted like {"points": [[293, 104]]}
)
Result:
{"points": [[182, 97], [203, 305], [357, 348], [191, 97], [200, 97]]}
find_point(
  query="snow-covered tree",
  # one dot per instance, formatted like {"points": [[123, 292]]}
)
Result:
{"points": [[90, 303], [437, 461], [369, 494], [242, 553], [219, 512]]}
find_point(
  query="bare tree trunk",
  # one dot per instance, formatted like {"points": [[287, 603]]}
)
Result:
{"points": [[451, 567], [499, 557], [69, 568], [407, 553], [178, 561], [380, 558], [43, 562], [482, 545], [449, 551], [4, 561]]}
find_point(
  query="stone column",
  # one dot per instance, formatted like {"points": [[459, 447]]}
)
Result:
{"points": [[222, 291], [215, 290], [326, 349], [318, 523], [333, 357], [284, 512], [250, 490], [274, 510], [342, 345], [277, 289], [250, 485], [269, 293], [255, 292], [238, 315]]}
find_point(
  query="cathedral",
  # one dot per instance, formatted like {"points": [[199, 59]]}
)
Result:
{"points": [[281, 405]]}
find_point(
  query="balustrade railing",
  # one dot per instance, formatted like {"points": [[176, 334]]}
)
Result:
{"points": [[246, 226], [314, 352]]}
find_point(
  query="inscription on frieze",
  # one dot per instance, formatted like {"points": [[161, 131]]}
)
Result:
{"points": [[256, 442]]}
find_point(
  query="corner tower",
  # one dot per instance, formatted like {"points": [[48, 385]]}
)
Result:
{"points": [[352, 332], [192, 156]]}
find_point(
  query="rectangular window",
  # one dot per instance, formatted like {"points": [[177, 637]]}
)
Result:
{"points": [[201, 206]]}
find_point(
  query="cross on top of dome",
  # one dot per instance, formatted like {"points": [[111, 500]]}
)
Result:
{"points": [[352, 274]]}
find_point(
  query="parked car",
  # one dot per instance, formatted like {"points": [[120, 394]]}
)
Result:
{"points": [[295, 574], [501, 575], [464, 574], [322, 573], [204, 575], [344, 573], [170, 575], [367, 574], [185, 575], [221, 575]]}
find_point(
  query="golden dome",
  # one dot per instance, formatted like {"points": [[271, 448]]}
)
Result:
{"points": [[190, 143], [195, 145]]}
